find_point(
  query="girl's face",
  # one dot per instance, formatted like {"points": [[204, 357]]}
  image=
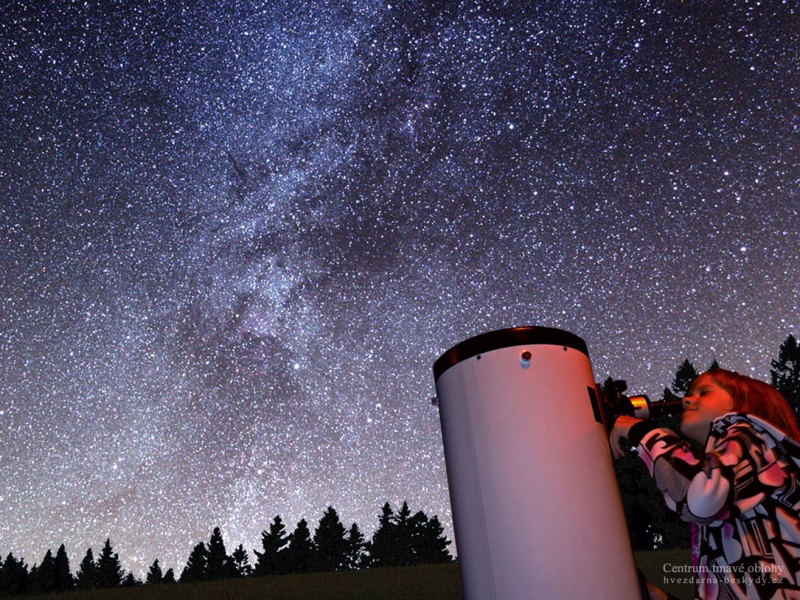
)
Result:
{"points": [[705, 402]]}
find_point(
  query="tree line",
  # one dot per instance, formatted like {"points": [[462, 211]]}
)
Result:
{"points": [[402, 539], [651, 524]]}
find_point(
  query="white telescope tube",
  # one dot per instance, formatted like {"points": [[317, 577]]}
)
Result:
{"points": [[536, 506]]}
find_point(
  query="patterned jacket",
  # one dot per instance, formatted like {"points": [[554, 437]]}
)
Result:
{"points": [[743, 497]]}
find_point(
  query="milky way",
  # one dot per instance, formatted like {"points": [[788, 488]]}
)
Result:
{"points": [[235, 237]]}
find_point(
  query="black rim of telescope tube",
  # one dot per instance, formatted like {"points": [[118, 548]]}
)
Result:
{"points": [[504, 338]]}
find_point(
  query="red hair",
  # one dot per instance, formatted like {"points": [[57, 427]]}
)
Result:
{"points": [[754, 397]]}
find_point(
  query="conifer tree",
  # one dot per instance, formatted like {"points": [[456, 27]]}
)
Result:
{"points": [[241, 562], [109, 569], [13, 577], [383, 549], [32, 579], [355, 548], [217, 558], [129, 581], [196, 565], [684, 377], [43, 576], [300, 551], [403, 539], [785, 372], [169, 576], [63, 575], [329, 542], [86, 577], [405, 533], [154, 576], [429, 542], [272, 560]]}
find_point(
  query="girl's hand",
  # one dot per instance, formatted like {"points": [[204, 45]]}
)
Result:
{"points": [[620, 430]]}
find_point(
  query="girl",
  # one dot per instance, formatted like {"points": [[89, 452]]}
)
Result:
{"points": [[742, 494]]}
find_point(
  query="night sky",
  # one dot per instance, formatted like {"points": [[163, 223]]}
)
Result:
{"points": [[235, 236]]}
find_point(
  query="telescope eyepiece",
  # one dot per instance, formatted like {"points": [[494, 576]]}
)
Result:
{"points": [[666, 408], [639, 406]]}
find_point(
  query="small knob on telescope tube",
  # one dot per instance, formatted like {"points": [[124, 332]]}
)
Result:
{"points": [[525, 359]]}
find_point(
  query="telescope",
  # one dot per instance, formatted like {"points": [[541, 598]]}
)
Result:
{"points": [[532, 485]]}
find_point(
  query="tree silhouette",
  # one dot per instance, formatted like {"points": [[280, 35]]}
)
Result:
{"points": [[383, 549], [241, 562], [428, 540], [355, 548], [404, 532], [330, 546], [195, 569], [154, 575], [684, 377], [217, 566], [169, 576], [86, 577], [43, 576], [274, 542], [109, 569], [13, 577], [63, 575], [785, 372], [301, 549], [402, 539]]}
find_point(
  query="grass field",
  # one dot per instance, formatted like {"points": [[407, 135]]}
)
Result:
{"points": [[402, 583], [428, 582]]}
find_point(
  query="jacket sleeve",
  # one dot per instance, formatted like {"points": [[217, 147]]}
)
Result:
{"points": [[734, 475]]}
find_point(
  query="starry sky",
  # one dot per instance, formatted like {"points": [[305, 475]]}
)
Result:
{"points": [[235, 236]]}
